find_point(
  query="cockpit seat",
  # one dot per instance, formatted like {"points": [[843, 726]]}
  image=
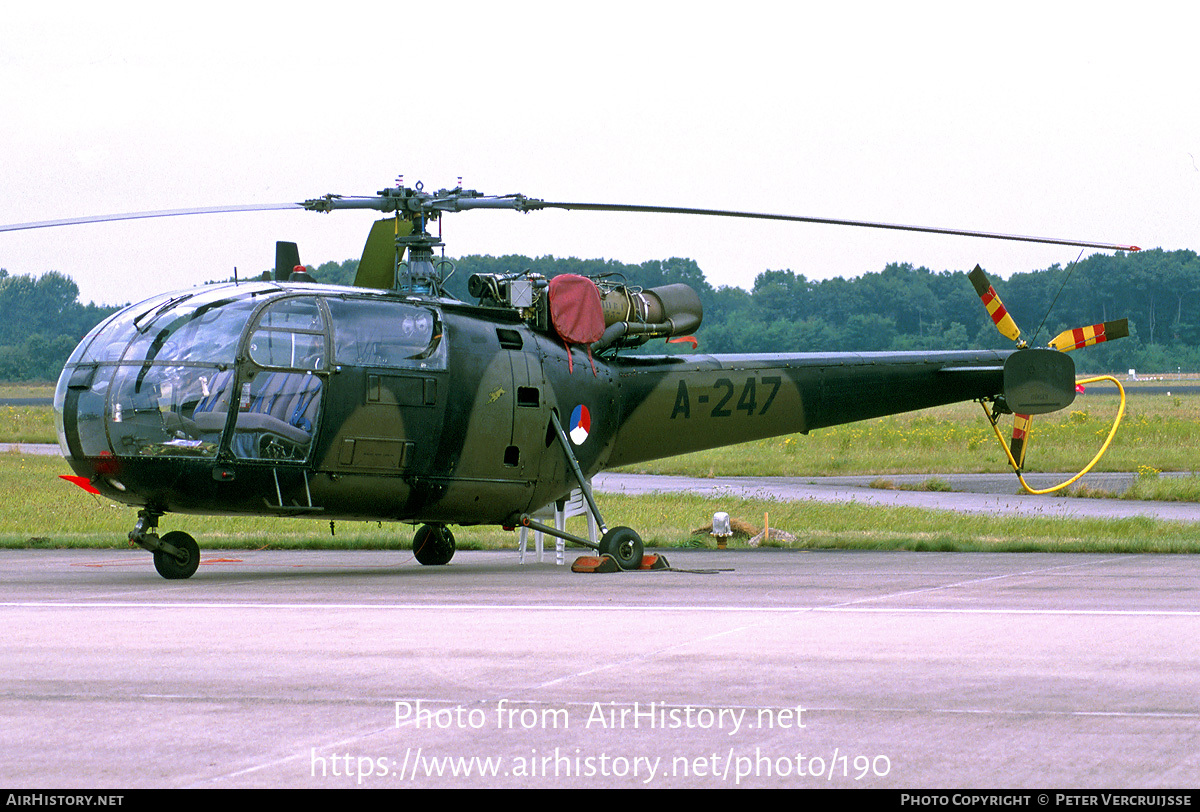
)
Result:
{"points": [[211, 412], [286, 405]]}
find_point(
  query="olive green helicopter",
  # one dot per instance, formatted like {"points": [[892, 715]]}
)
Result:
{"points": [[391, 401]]}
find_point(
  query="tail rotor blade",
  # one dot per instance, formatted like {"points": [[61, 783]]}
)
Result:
{"points": [[995, 308], [1020, 437], [1082, 337]]}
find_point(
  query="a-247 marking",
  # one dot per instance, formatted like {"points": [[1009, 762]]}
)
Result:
{"points": [[747, 401]]}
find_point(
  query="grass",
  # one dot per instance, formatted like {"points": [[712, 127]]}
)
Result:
{"points": [[27, 424], [39, 510], [1185, 489], [1149, 488], [26, 390]]}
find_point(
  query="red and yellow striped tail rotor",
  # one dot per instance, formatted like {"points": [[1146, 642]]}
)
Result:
{"points": [[1082, 337], [995, 308], [1020, 437], [1064, 342]]}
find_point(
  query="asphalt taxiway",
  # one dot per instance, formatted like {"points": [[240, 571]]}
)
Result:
{"points": [[971, 493], [750, 668]]}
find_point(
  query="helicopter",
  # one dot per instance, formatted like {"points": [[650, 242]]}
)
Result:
{"points": [[389, 400]]}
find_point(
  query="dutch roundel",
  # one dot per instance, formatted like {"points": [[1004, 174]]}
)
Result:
{"points": [[581, 424]]}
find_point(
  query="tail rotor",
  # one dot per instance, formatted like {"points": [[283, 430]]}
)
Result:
{"points": [[1066, 341]]}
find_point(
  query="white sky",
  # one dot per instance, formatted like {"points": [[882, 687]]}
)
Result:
{"points": [[1077, 120]]}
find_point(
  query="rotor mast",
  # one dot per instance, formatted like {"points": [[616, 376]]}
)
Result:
{"points": [[420, 274]]}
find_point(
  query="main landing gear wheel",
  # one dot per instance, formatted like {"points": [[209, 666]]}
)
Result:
{"points": [[433, 545], [182, 566], [625, 546]]}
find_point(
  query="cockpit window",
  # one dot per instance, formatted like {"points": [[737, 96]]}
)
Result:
{"points": [[167, 410], [291, 334], [382, 333], [159, 378], [197, 331], [293, 314], [111, 337]]}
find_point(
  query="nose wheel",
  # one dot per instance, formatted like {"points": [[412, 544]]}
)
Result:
{"points": [[177, 557]]}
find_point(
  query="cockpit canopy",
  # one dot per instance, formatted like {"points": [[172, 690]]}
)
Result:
{"points": [[231, 369]]}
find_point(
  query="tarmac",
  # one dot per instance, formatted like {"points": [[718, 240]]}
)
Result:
{"points": [[750, 668], [747, 668]]}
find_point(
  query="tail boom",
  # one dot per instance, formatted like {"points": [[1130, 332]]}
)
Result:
{"points": [[673, 405]]}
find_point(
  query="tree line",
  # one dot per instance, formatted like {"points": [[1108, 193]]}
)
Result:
{"points": [[901, 307], [41, 321]]}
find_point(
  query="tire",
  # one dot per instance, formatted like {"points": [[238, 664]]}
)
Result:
{"points": [[433, 545], [172, 568], [625, 546]]}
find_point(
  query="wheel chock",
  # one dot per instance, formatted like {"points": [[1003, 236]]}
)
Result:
{"points": [[606, 563], [654, 562], [591, 563]]}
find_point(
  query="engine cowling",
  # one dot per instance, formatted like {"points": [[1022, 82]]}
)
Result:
{"points": [[632, 317]]}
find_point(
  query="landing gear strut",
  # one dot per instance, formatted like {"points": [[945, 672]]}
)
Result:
{"points": [[621, 543]]}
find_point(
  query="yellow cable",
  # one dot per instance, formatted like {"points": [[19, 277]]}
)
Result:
{"points": [[1112, 433]]}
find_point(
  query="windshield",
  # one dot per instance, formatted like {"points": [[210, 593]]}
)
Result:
{"points": [[150, 380]]}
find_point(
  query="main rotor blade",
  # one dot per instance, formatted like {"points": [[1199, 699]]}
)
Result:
{"points": [[140, 215], [460, 200], [539, 204]]}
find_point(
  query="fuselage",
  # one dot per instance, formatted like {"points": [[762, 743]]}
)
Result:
{"points": [[340, 403]]}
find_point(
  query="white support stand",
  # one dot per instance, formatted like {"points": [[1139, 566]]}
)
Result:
{"points": [[573, 505]]}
